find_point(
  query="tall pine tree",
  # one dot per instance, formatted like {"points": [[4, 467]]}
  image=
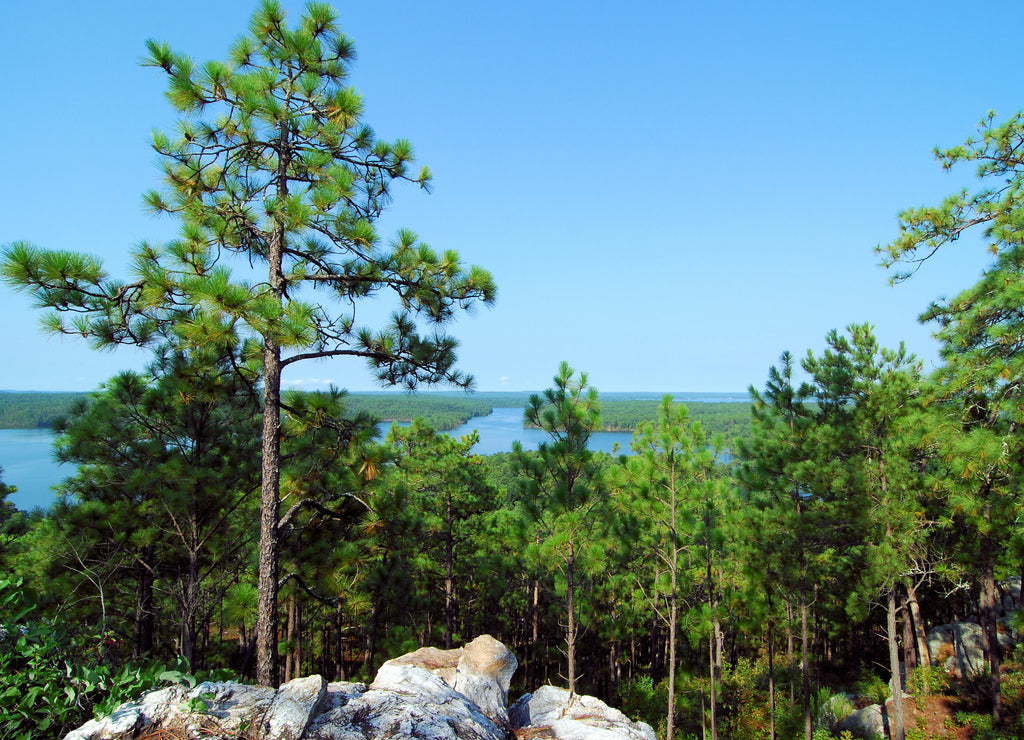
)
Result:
{"points": [[272, 166]]}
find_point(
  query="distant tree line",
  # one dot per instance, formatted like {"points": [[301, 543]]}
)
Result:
{"points": [[34, 410], [732, 419]]}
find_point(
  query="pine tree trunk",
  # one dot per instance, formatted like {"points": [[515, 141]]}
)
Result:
{"points": [[713, 698], [771, 679], [570, 629], [267, 669], [897, 731], [805, 662], [449, 575], [789, 652], [289, 658], [673, 612], [266, 617], [989, 623], [339, 649], [924, 656]]}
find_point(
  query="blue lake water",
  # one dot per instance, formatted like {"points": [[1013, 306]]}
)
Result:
{"points": [[27, 459]]}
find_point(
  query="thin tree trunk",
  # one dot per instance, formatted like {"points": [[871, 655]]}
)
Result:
{"points": [[989, 624], [289, 658], [771, 676], [896, 727], [713, 699], [924, 656], [267, 669], [570, 630], [339, 649], [266, 616], [789, 653], [805, 662], [671, 709], [449, 575]]}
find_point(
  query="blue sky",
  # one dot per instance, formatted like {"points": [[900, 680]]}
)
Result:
{"points": [[669, 194]]}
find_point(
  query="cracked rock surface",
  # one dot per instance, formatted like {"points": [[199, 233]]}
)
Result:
{"points": [[438, 694]]}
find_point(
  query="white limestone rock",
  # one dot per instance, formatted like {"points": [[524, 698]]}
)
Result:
{"points": [[587, 718], [484, 675], [442, 662], [292, 708], [404, 701]]}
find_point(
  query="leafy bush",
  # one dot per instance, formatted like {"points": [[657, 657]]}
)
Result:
{"points": [[927, 679], [52, 681], [831, 709], [873, 688]]}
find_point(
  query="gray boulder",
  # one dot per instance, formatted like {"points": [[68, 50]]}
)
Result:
{"points": [[868, 722], [959, 648], [586, 718], [230, 706]]}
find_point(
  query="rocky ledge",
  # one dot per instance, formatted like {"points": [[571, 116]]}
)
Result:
{"points": [[443, 694]]}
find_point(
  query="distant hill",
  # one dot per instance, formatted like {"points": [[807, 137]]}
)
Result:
{"points": [[35, 409], [727, 413]]}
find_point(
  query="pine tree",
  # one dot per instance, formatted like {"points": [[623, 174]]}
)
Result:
{"points": [[678, 503], [166, 463], [980, 388], [563, 490], [879, 395], [271, 165], [447, 488]]}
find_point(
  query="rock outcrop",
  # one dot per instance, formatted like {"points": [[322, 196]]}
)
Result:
{"points": [[959, 648], [440, 694], [586, 718]]}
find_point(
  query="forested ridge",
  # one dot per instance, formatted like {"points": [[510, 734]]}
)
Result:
{"points": [[443, 411], [219, 525], [31, 410]]}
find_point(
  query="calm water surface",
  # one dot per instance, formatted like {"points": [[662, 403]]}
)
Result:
{"points": [[27, 459]]}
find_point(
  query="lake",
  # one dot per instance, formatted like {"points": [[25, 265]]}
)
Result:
{"points": [[27, 461], [26, 456]]}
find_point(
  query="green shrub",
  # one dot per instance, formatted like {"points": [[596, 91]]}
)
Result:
{"points": [[52, 681], [872, 688], [927, 679], [831, 709]]}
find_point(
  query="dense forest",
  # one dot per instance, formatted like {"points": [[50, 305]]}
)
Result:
{"points": [[221, 526], [21, 410]]}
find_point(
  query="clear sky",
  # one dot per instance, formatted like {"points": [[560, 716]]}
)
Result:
{"points": [[669, 194]]}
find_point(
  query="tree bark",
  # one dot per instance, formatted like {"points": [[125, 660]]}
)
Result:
{"points": [[771, 675], [989, 624], [570, 630], [449, 574], [267, 669], [924, 656], [805, 663], [896, 729], [266, 618]]}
